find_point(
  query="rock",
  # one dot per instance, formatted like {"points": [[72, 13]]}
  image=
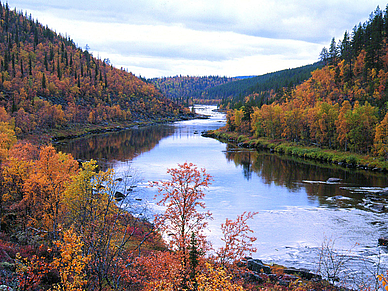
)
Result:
{"points": [[333, 180], [252, 277], [303, 273], [283, 282], [119, 196], [258, 266], [383, 241], [383, 193], [378, 207]]}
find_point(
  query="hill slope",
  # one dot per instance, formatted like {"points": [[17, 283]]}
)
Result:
{"points": [[185, 88], [230, 92], [259, 88], [47, 82]]}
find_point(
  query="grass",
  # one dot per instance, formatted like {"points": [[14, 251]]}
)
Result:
{"points": [[347, 159]]}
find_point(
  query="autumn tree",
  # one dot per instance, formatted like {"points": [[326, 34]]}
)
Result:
{"points": [[384, 281], [100, 207], [7, 139], [362, 124], [237, 239], [214, 278], [15, 172], [159, 270], [71, 263], [183, 196], [44, 189], [342, 124]]}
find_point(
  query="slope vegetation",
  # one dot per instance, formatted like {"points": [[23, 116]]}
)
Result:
{"points": [[47, 82]]}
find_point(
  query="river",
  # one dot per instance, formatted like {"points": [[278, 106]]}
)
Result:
{"points": [[298, 209]]}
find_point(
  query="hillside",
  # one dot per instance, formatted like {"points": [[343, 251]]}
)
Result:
{"points": [[342, 106], [184, 89], [259, 88], [231, 92], [47, 82]]}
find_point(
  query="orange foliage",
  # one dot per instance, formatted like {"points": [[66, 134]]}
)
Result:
{"points": [[238, 242], [48, 77], [72, 263], [183, 196], [44, 189]]}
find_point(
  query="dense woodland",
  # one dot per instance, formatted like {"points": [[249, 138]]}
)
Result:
{"points": [[48, 82], [260, 89], [341, 106], [187, 89], [231, 93]]}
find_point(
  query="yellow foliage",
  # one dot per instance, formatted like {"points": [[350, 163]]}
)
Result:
{"points": [[7, 139], [72, 263], [80, 196], [216, 279]]}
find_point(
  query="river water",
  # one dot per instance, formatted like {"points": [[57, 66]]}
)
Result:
{"points": [[298, 210]]}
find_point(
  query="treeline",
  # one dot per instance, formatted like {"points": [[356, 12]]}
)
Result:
{"points": [[260, 89], [342, 106], [48, 82], [186, 89]]}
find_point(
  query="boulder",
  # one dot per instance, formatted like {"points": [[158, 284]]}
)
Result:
{"points": [[252, 277], [303, 273], [378, 207], [383, 241], [119, 196], [333, 180], [258, 266]]}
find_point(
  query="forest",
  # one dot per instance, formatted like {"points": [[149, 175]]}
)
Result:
{"points": [[188, 90], [48, 83], [258, 90], [230, 93], [342, 106]]}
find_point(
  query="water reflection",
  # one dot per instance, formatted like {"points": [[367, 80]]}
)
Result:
{"points": [[120, 146], [298, 174]]}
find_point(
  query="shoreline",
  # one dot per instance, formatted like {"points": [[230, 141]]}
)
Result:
{"points": [[344, 159], [82, 130]]}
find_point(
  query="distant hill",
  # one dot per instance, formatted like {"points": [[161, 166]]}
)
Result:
{"points": [[234, 93], [244, 77], [224, 90], [47, 82], [187, 89]]}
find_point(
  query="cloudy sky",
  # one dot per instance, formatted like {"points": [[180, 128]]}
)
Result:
{"points": [[156, 38]]}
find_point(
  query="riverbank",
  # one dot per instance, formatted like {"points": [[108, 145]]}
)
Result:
{"points": [[345, 159], [79, 130]]}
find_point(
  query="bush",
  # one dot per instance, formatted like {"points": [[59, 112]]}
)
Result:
{"points": [[242, 138], [351, 160]]}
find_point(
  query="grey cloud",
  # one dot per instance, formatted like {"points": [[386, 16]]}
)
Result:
{"points": [[276, 20], [200, 52]]}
